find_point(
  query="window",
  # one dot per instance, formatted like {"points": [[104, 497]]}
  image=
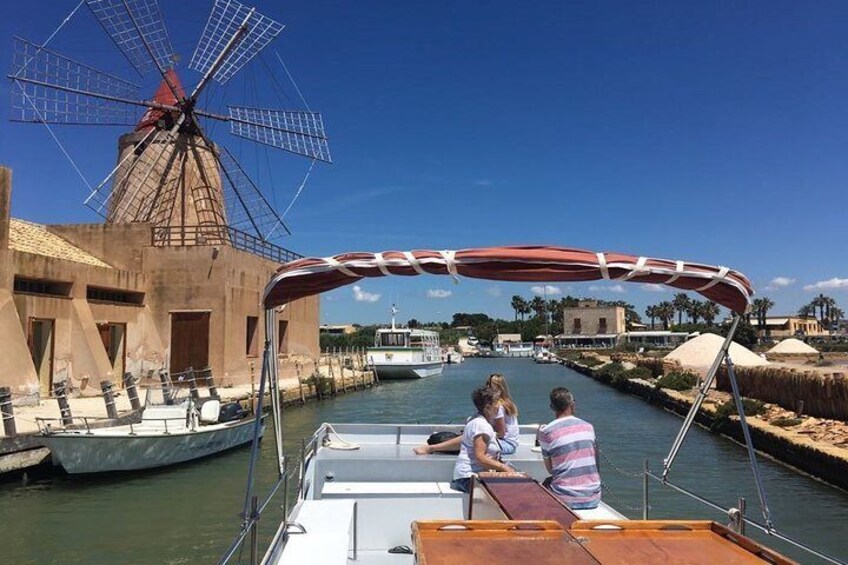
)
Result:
{"points": [[393, 340], [602, 325], [251, 344], [45, 287], [578, 328], [114, 296]]}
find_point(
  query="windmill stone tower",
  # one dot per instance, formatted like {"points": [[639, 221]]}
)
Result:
{"points": [[174, 184]]}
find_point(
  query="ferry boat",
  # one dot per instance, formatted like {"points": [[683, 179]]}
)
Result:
{"points": [[364, 497], [405, 353]]}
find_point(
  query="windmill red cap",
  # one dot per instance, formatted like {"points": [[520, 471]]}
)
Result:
{"points": [[164, 95]]}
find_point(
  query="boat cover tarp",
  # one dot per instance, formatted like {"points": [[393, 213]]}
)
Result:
{"points": [[313, 275]]}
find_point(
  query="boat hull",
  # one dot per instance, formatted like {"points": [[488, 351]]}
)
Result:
{"points": [[81, 453], [407, 371]]}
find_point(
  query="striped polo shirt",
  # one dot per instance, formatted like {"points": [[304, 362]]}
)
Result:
{"points": [[569, 442]]}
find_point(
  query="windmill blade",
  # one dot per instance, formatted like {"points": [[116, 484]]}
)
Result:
{"points": [[137, 29], [52, 88], [297, 132], [247, 209], [225, 21]]}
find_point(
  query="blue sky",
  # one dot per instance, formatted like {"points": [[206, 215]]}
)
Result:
{"points": [[711, 132]]}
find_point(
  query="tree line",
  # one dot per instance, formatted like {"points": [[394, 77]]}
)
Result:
{"points": [[695, 310]]}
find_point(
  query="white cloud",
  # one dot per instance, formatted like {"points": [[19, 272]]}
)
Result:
{"points": [[483, 182], [829, 284], [780, 282], [438, 293], [494, 291], [547, 289], [617, 288], [361, 296], [653, 287]]}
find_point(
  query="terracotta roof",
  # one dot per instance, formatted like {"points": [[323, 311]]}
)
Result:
{"points": [[27, 237]]}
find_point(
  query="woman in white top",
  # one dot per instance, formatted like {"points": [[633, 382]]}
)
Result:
{"points": [[477, 449], [506, 419]]}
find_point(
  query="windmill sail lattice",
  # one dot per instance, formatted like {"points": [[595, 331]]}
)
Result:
{"points": [[169, 173], [137, 29], [58, 90], [224, 22], [297, 132]]}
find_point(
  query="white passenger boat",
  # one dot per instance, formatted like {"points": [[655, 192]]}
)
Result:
{"points": [[544, 357], [171, 431], [363, 497], [405, 353]]}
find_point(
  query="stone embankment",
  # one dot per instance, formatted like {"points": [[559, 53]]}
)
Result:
{"points": [[817, 446], [301, 381]]}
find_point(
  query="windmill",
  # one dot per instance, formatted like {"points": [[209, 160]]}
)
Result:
{"points": [[169, 173]]}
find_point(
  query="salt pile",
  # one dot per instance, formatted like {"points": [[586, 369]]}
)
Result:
{"points": [[792, 345], [700, 352]]}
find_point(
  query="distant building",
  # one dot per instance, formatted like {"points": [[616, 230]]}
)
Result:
{"points": [[661, 339], [338, 329], [591, 325], [780, 327], [506, 338]]}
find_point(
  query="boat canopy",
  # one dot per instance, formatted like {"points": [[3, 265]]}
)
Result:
{"points": [[313, 275]]}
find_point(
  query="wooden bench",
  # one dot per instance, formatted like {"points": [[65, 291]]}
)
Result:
{"points": [[522, 498]]}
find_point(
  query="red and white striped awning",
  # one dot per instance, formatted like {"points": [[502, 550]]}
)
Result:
{"points": [[309, 276]]}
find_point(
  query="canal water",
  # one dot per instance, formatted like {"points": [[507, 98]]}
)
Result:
{"points": [[189, 514]]}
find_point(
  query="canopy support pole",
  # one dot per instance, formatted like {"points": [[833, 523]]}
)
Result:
{"points": [[274, 381], [699, 399], [247, 516], [752, 455]]}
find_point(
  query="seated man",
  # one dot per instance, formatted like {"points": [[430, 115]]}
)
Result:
{"points": [[568, 448]]}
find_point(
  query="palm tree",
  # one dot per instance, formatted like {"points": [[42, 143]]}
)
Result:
{"points": [[539, 306], [829, 304], [710, 311], [807, 310], [525, 308], [651, 312], [760, 307], [818, 302], [516, 305], [694, 310], [836, 314], [665, 312], [680, 303]]}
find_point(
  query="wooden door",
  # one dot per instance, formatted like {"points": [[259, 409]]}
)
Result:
{"points": [[189, 340], [40, 341]]}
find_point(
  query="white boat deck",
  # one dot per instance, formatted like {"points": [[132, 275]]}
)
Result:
{"points": [[358, 504]]}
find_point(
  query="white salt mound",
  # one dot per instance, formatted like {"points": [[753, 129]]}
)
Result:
{"points": [[701, 351], [793, 345]]}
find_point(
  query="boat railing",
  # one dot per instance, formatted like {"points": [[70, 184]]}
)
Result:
{"points": [[87, 423], [250, 522], [736, 516]]}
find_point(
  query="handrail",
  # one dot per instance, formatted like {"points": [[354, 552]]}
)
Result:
{"points": [[765, 528], [220, 234]]}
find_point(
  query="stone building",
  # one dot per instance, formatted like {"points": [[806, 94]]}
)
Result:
{"points": [[780, 327], [589, 324], [88, 302]]}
